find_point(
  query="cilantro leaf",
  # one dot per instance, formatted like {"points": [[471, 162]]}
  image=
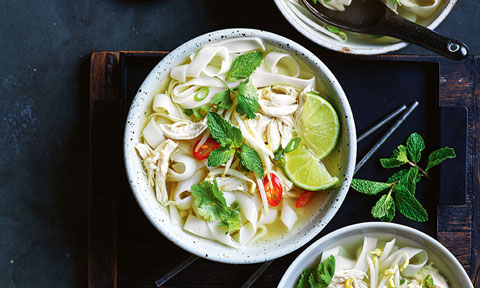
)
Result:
{"points": [[327, 268], [408, 205], [220, 156], [244, 65], [247, 100], [303, 281], [383, 207], [415, 146], [250, 159], [369, 187], [226, 134], [438, 156], [223, 100], [211, 205], [398, 159]]}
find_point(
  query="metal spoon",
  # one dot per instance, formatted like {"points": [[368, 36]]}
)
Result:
{"points": [[374, 17]]}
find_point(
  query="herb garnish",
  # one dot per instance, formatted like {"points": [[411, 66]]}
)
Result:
{"points": [[211, 205], [403, 182], [246, 95], [244, 65], [321, 277], [230, 139]]}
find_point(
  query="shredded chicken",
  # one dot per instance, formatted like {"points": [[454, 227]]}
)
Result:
{"points": [[351, 278], [156, 163], [183, 130], [278, 100]]}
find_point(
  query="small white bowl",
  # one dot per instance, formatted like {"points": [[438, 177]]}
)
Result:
{"points": [[158, 215], [443, 259], [360, 45]]}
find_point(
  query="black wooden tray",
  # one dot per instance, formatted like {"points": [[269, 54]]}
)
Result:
{"points": [[127, 251]]}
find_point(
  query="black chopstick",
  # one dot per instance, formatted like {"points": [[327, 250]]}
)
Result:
{"points": [[257, 274], [385, 137], [179, 268], [382, 122]]}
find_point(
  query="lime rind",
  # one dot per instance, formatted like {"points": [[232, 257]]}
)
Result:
{"points": [[307, 171], [319, 125]]}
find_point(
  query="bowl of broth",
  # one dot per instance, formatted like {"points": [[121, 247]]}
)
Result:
{"points": [[426, 13], [201, 139], [378, 254]]}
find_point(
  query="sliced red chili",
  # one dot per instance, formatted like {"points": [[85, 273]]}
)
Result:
{"points": [[304, 199], [205, 149], [273, 189]]}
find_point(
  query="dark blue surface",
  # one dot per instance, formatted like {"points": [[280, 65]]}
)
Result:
{"points": [[45, 48]]}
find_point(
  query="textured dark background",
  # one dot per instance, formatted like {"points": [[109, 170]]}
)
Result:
{"points": [[44, 59]]}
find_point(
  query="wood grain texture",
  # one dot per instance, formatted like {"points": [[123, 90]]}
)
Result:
{"points": [[138, 250], [102, 246]]}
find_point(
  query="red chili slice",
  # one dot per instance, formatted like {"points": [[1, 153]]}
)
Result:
{"points": [[304, 199], [273, 189], [205, 149]]}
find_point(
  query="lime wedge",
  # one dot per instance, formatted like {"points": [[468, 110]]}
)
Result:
{"points": [[306, 171], [318, 125]]}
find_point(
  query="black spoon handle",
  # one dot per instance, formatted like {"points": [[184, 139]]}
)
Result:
{"points": [[399, 27]]}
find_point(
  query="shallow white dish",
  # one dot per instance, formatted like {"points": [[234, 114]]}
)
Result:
{"points": [[360, 45], [158, 215], [443, 259]]}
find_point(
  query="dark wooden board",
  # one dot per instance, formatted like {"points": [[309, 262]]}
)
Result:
{"points": [[125, 250]]}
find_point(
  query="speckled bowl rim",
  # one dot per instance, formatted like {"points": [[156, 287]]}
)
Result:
{"points": [[360, 229], [233, 256], [345, 47]]}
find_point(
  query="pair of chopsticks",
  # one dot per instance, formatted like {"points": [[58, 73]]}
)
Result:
{"points": [[192, 258]]}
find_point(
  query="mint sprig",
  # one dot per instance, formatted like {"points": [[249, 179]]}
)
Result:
{"points": [[402, 184], [231, 143]]}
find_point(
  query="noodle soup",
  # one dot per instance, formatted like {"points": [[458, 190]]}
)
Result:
{"points": [[241, 200]]}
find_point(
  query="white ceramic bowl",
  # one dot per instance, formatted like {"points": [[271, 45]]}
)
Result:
{"points": [[158, 215], [443, 259], [360, 45]]}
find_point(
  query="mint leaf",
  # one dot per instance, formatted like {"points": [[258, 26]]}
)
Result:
{"points": [[390, 214], [408, 205], [226, 134], [398, 159], [383, 207], [369, 187], [222, 100], [415, 146], [220, 156], [244, 65], [250, 159], [409, 180], [303, 281], [399, 174], [438, 156], [247, 100], [211, 205]]}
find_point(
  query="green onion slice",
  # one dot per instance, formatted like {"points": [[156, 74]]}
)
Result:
{"points": [[202, 91], [293, 144]]}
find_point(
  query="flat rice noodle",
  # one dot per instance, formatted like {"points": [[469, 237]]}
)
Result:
{"points": [[369, 244]]}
